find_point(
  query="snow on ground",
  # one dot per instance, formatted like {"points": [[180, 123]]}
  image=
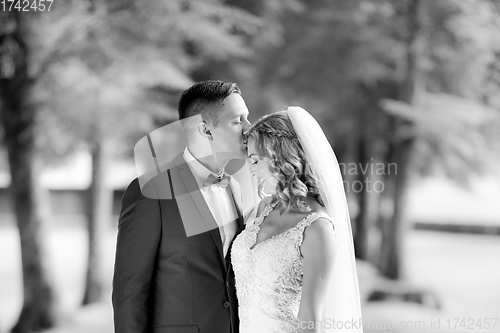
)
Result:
{"points": [[437, 200]]}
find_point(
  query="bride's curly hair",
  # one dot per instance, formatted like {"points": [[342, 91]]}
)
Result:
{"points": [[276, 140]]}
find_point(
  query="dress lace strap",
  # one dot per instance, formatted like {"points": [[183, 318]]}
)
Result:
{"points": [[302, 225], [266, 211], [311, 218]]}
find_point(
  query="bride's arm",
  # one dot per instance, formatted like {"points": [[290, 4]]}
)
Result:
{"points": [[318, 249]]}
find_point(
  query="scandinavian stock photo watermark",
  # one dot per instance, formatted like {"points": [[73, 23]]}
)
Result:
{"points": [[369, 176], [458, 324]]}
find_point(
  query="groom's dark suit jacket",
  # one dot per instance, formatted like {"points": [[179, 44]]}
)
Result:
{"points": [[164, 281]]}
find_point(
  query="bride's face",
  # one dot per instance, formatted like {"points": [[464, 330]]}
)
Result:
{"points": [[260, 168]]}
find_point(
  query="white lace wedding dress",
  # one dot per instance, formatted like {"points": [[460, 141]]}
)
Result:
{"points": [[269, 276]]}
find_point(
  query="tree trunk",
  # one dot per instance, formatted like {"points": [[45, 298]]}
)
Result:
{"points": [[363, 217], [99, 199], [93, 281], [402, 147], [18, 118], [392, 217], [99, 202], [386, 211]]}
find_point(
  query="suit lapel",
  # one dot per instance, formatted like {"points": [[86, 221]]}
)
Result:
{"points": [[236, 196], [199, 201]]}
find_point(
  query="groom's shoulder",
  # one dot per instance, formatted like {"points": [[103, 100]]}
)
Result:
{"points": [[154, 185]]}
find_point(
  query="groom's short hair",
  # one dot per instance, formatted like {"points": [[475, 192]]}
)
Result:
{"points": [[203, 98]]}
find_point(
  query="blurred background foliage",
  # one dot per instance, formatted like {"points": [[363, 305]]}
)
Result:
{"points": [[410, 82]]}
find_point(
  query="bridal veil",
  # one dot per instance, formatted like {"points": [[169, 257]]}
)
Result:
{"points": [[342, 311]]}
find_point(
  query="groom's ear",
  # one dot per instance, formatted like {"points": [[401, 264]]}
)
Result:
{"points": [[204, 129]]}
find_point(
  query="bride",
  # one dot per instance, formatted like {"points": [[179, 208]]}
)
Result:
{"points": [[294, 262]]}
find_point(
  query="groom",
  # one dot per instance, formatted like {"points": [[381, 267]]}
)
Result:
{"points": [[169, 278]]}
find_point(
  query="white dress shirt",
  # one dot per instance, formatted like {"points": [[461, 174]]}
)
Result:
{"points": [[219, 200]]}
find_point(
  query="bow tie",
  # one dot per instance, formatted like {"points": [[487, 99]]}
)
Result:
{"points": [[221, 181]]}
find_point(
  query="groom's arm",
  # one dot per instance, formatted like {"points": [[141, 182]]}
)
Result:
{"points": [[139, 230]]}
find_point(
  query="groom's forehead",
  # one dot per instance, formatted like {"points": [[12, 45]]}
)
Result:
{"points": [[233, 106]]}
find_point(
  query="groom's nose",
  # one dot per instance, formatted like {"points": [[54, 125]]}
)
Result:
{"points": [[246, 126]]}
